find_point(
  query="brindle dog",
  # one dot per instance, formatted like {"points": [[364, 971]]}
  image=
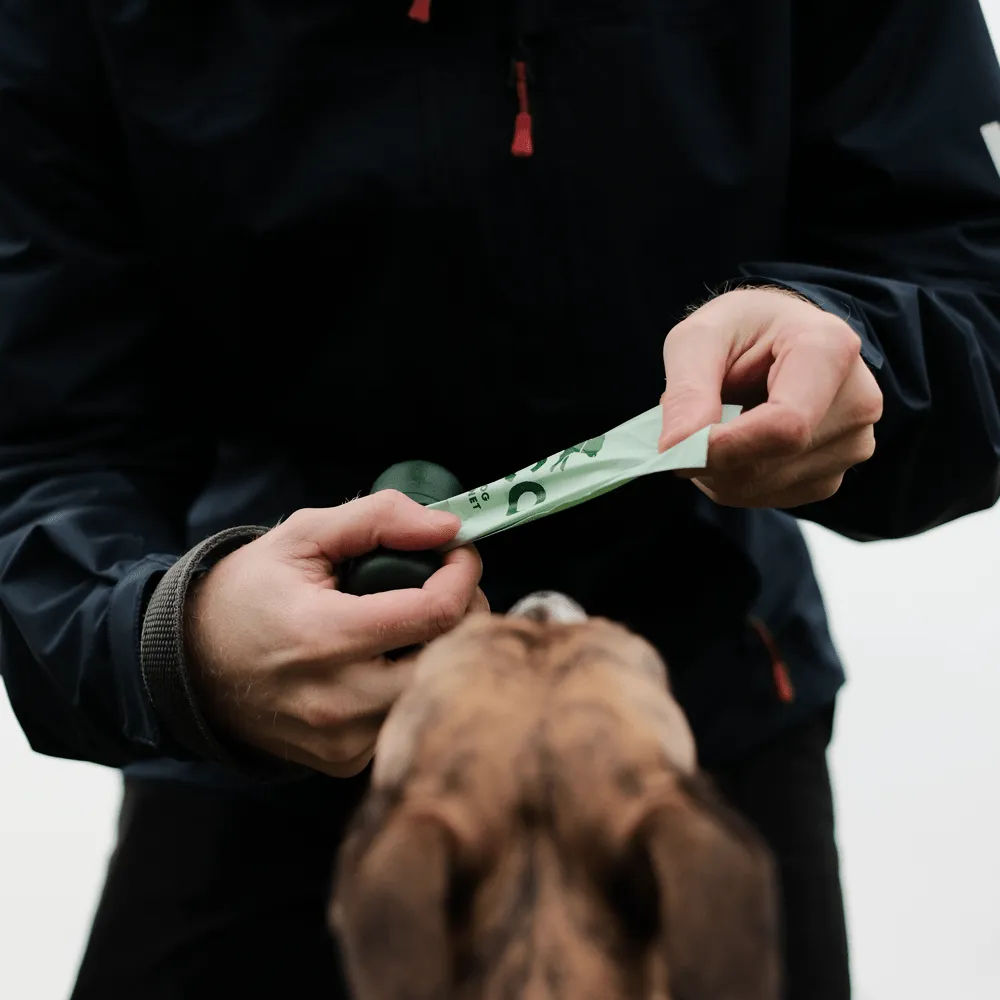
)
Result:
{"points": [[538, 829]]}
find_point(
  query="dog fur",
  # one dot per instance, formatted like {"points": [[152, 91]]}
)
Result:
{"points": [[537, 829]]}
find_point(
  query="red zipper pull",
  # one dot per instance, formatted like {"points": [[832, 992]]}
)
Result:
{"points": [[783, 683], [783, 686], [522, 144], [420, 10]]}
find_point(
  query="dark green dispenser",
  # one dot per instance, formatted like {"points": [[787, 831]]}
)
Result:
{"points": [[388, 569]]}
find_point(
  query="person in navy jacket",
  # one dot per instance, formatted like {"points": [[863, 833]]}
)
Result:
{"points": [[251, 254]]}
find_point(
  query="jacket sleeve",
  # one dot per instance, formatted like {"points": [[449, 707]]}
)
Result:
{"points": [[99, 462], [894, 224]]}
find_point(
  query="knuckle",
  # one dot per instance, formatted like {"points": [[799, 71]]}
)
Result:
{"points": [[351, 768], [875, 410], [825, 488], [348, 746], [693, 327], [682, 389], [839, 335], [325, 715], [863, 448], [447, 612], [864, 404], [388, 499], [870, 406], [690, 334], [388, 504], [793, 433], [299, 521], [850, 340], [392, 499], [864, 414], [739, 490]]}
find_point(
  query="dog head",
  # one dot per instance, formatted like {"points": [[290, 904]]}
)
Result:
{"points": [[537, 828]]}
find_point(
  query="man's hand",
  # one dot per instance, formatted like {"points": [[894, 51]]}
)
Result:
{"points": [[813, 402], [287, 663]]}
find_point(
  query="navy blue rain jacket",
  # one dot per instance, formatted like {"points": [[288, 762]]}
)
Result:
{"points": [[252, 252]]}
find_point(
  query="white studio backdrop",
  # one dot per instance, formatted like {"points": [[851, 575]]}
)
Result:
{"points": [[916, 758]]}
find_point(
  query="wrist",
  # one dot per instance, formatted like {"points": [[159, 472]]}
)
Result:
{"points": [[197, 649], [205, 675], [174, 658]]}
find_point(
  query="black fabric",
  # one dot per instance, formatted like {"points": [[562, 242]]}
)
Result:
{"points": [[212, 894], [245, 272], [784, 788]]}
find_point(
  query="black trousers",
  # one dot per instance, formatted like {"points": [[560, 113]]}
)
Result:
{"points": [[210, 897]]}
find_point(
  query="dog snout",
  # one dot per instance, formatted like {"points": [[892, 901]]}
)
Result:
{"points": [[546, 606]]}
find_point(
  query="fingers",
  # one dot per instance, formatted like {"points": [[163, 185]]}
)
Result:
{"points": [[723, 342], [302, 660], [332, 724], [387, 518], [814, 421], [364, 690], [335, 768], [695, 356], [377, 623], [810, 370], [779, 483], [454, 586], [341, 753], [479, 605], [761, 477], [347, 769]]}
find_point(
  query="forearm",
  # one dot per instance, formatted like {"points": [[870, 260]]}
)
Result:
{"points": [[74, 575]]}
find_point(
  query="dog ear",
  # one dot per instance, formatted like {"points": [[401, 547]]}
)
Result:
{"points": [[391, 909], [717, 903]]}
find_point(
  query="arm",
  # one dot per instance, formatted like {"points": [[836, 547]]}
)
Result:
{"points": [[98, 461], [894, 215], [104, 443]]}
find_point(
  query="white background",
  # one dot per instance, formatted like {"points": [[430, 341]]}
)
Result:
{"points": [[916, 761]]}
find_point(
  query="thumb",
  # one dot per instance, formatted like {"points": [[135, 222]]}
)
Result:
{"points": [[694, 359], [386, 518]]}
